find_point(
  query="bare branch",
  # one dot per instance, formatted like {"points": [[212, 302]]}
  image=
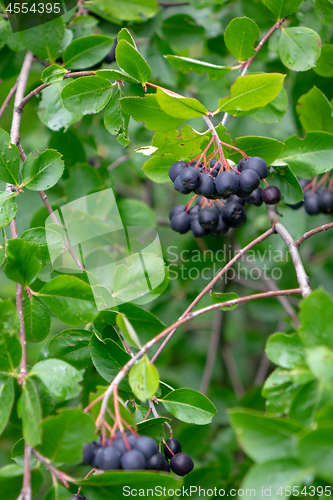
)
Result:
{"points": [[6, 102], [62, 476], [301, 275], [317, 230]]}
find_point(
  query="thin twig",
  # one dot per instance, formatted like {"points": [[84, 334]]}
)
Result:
{"points": [[210, 285], [26, 489], [212, 351], [62, 476], [301, 275], [125, 369], [117, 162], [257, 49], [317, 230], [6, 102]]}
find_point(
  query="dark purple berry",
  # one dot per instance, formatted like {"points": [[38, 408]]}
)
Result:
{"points": [[236, 199], [255, 198], [167, 466], [206, 186], [241, 164], [242, 194], [213, 169], [271, 195], [180, 223], [177, 209], [107, 458], [311, 204], [181, 464], [179, 186], [197, 229], [156, 462], [193, 212], [220, 229], [295, 206], [249, 180], [176, 169], [89, 450], [119, 445], [189, 177], [233, 214], [133, 460], [258, 165], [326, 201], [146, 445], [208, 217], [227, 183], [174, 446]]}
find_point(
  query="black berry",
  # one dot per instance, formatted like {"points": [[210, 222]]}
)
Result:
{"points": [[189, 177], [156, 462], [197, 229], [181, 222], [174, 446], [181, 464], [233, 214], [271, 195], [249, 180], [326, 201], [236, 199], [179, 186], [241, 164], [258, 165], [206, 186], [227, 183], [133, 460], [119, 445], [88, 453], [311, 204], [255, 198], [214, 170], [177, 209], [208, 217], [176, 169], [146, 446], [193, 212], [107, 458], [220, 229]]}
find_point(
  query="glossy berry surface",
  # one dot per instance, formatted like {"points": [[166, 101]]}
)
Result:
{"points": [[133, 460], [221, 228], [176, 209], [189, 177], [241, 164], [249, 180], [179, 186], [311, 204], [233, 214], [174, 446], [271, 195], [258, 165], [156, 462], [208, 217], [227, 183], [146, 445], [181, 222], [107, 458], [206, 186], [255, 198], [197, 230], [176, 169], [181, 464]]}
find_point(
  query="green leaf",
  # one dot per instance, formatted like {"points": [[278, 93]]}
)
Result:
{"points": [[8, 207], [115, 75], [285, 350], [37, 322], [11, 481], [184, 144], [153, 427], [180, 107], [189, 406], [148, 110], [51, 110], [188, 65], [53, 74], [218, 297], [30, 412], [22, 264], [69, 299], [86, 51], [282, 8], [116, 121], [130, 61], [252, 91], [124, 10], [287, 182], [6, 400], [240, 36], [264, 438], [10, 353], [60, 378], [157, 168], [136, 213], [316, 317], [45, 40], [108, 357], [9, 319], [315, 450], [270, 478], [65, 434], [320, 361], [324, 11], [72, 346], [43, 172], [274, 111], [182, 31], [47, 241], [266, 148], [9, 159], [124, 34], [143, 379], [128, 331], [324, 65], [86, 95], [299, 48], [315, 111], [310, 156]]}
